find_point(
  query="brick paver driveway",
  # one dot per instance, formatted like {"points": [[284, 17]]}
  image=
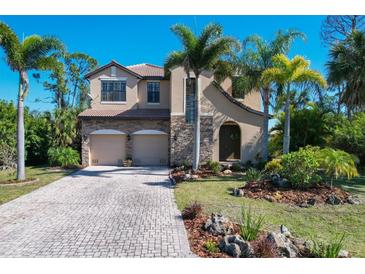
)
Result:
{"points": [[96, 212]]}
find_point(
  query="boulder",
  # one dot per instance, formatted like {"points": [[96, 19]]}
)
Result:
{"points": [[353, 201], [194, 177], [218, 225], [227, 172], [343, 254], [238, 192], [285, 247], [269, 198], [236, 247], [304, 205], [333, 200], [284, 230], [311, 201], [187, 177], [278, 181]]}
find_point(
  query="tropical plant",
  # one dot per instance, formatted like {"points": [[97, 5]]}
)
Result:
{"points": [[236, 167], [252, 174], [214, 166], [192, 211], [30, 54], [346, 68], [63, 156], [256, 58], [287, 74], [301, 167], [274, 166], [249, 224], [328, 250], [337, 163], [211, 246], [203, 52], [64, 127]]}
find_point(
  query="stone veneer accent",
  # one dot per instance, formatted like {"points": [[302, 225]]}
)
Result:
{"points": [[127, 126], [182, 147]]}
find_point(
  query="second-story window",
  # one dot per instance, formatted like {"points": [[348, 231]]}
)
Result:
{"points": [[153, 92], [113, 91], [190, 111]]}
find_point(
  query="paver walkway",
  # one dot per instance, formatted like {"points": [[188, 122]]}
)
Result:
{"points": [[96, 212]]}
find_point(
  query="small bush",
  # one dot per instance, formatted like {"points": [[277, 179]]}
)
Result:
{"points": [[253, 174], [250, 225], [63, 156], [236, 167], [301, 167], [192, 211], [265, 249], [186, 164], [324, 250], [274, 166], [214, 166], [211, 246]]}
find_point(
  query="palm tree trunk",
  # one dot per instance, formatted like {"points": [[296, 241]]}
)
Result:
{"points": [[265, 133], [20, 175], [286, 141], [196, 152]]}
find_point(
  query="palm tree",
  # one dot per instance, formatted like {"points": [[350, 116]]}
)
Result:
{"points": [[203, 52], [256, 58], [287, 74], [30, 54], [346, 68]]}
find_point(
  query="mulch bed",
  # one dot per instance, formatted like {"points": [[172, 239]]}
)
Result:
{"points": [[179, 175], [13, 182], [198, 237], [266, 190]]}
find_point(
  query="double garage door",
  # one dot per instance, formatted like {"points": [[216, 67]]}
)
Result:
{"points": [[147, 149]]}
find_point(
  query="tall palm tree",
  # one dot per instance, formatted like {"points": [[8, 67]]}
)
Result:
{"points": [[203, 52], [23, 56], [346, 67], [287, 74], [256, 58]]}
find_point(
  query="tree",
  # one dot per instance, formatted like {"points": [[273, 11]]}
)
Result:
{"points": [[203, 52], [30, 54], [64, 127], [336, 28], [256, 58], [287, 74], [346, 67]]}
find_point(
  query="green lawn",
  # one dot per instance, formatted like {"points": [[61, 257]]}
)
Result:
{"points": [[45, 175], [321, 222]]}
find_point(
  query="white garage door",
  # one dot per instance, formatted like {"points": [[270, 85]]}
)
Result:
{"points": [[107, 150], [150, 150]]}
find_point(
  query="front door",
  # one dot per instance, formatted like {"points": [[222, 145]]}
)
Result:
{"points": [[229, 142]]}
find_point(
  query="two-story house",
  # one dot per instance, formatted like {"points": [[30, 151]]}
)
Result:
{"points": [[137, 112]]}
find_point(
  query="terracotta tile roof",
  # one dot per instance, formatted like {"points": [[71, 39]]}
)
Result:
{"points": [[139, 114], [147, 70], [112, 63]]}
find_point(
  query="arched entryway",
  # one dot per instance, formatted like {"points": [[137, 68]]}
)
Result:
{"points": [[229, 142]]}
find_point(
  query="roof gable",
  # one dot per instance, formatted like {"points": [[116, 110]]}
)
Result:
{"points": [[113, 63]]}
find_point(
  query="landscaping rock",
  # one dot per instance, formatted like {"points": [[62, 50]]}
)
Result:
{"points": [[284, 230], [311, 201], [285, 247], [278, 181], [238, 192], [187, 177], [343, 254], [333, 200], [303, 246], [353, 201], [194, 177], [236, 247], [218, 225], [227, 172], [304, 205], [269, 198]]}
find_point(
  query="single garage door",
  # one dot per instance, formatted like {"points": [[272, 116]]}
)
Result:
{"points": [[108, 150], [150, 149]]}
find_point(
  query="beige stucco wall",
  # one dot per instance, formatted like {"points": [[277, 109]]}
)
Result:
{"points": [[164, 94], [131, 96], [249, 123], [253, 100]]}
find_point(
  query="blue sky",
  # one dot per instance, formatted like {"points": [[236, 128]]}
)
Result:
{"points": [[145, 39]]}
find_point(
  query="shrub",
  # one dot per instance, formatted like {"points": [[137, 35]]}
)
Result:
{"points": [[274, 166], [214, 166], [337, 163], [186, 164], [253, 174], [265, 249], [236, 167], [331, 250], [301, 167], [63, 156], [211, 246], [192, 211], [250, 225]]}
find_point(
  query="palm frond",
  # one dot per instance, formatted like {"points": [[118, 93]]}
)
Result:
{"points": [[175, 58], [185, 35], [11, 45]]}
